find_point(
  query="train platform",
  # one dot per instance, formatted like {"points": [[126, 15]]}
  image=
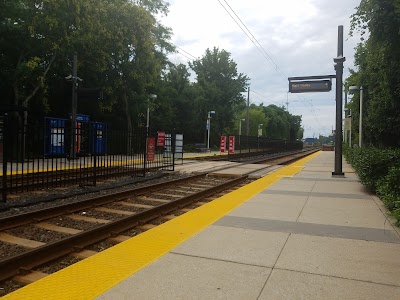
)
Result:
{"points": [[296, 233]]}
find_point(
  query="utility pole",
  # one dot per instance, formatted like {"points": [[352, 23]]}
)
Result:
{"points": [[248, 113], [74, 105]]}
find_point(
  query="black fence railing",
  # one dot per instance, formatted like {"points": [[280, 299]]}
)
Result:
{"points": [[56, 154], [252, 145]]}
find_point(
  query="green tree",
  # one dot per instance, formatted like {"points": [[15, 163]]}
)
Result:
{"points": [[222, 87], [278, 127], [121, 48], [257, 117], [377, 59]]}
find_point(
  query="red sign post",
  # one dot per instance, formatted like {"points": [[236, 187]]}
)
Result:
{"points": [[151, 148], [222, 146], [231, 144], [160, 139]]}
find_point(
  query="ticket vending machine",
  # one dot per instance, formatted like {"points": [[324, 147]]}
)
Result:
{"points": [[54, 137], [99, 138]]}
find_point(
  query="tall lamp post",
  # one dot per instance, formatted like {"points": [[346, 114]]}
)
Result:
{"points": [[347, 126], [150, 101], [361, 89], [211, 112], [351, 119], [240, 129], [74, 78]]}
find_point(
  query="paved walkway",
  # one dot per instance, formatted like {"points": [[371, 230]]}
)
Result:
{"points": [[306, 237]]}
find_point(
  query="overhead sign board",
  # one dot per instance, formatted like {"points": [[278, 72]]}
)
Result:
{"points": [[310, 86]]}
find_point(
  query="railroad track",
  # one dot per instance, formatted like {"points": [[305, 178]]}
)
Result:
{"points": [[70, 228], [280, 158]]}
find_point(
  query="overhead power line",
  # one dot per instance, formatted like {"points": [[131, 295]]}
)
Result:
{"points": [[262, 97], [185, 53], [235, 17]]}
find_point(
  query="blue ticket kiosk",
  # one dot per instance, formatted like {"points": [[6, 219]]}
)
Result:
{"points": [[99, 138], [54, 136]]}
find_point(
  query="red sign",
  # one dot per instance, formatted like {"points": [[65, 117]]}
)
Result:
{"points": [[160, 139], [231, 144], [222, 146], [151, 148]]}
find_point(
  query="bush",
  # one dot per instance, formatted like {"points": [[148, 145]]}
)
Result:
{"points": [[372, 164], [379, 171], [388, 189]]}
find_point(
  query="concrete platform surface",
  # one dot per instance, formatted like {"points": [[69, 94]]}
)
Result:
{"points": [[309, 236]]}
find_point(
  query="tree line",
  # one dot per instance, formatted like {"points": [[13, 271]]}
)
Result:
{"points": [[377, 59], [122, 51]]}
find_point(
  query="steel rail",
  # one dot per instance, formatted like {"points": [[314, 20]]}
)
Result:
{"points": [[47, 213], [33, 258], [296, 156]]}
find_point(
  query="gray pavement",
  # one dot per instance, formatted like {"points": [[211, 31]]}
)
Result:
{"points": [[306, 237]]}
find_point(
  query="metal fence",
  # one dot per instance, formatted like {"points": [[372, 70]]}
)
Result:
{"points": [[58, 154], [252, 145]]}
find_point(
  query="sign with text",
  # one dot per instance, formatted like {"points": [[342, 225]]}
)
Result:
{"points": [[160, 139], [310, 86], [231, 144], [222, 145], [151, 148]]}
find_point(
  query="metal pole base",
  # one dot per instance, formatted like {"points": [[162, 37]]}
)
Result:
{"points": [[338, 174]]}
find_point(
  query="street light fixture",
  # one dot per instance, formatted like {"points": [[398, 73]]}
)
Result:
{"points": [[211, 112], [361, 89]]}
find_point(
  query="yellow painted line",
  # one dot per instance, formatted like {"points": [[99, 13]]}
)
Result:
{"points": [[204, 155], [97, 274]]}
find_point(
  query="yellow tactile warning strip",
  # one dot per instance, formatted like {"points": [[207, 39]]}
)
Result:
{"points": [[95, 275]]}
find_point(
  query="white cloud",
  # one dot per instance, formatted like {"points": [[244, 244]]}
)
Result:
{"points": [[300, 37]]}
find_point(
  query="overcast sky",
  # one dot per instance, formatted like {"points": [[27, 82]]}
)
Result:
{"points": [[300, 37]]}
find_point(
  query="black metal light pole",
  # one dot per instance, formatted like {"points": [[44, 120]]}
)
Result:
{"points": [[74, 78], [339, 60]]}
